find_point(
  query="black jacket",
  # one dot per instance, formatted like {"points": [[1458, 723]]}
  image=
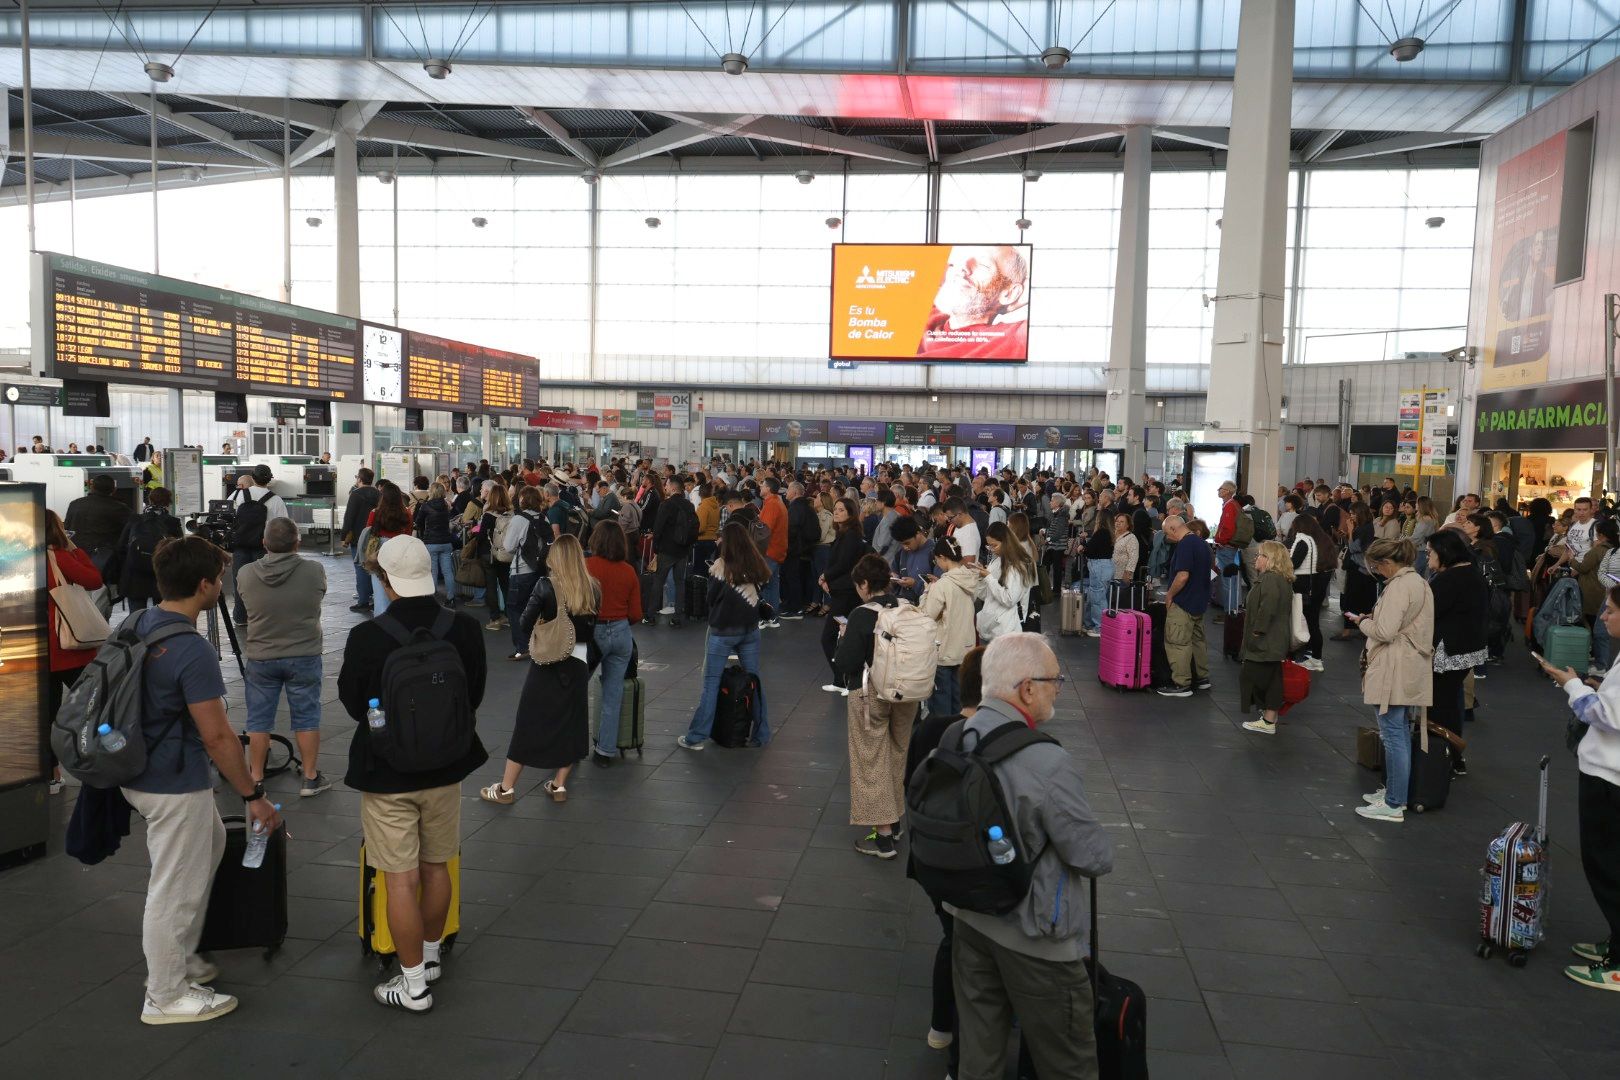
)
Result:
{"points": [[360, 680], [432, 522], [729, 610], [855, 646], [1100, 544], [135, 577], [96, 521], [847, 549], [362, 501], [675, 528], [804, 529], [542, 605], [1462, 616]]}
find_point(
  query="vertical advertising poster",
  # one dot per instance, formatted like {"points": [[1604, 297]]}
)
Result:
{"points": [[930, 302], [23, 659], [1524, 246], [1408, 430], [1432, 451]]}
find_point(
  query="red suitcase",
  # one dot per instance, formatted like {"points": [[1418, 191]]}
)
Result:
{"points": [[1125, 660]]}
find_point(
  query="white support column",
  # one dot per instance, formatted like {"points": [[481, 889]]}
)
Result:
{"points": [[346, 210], [1125, 409], [176, 425], [1245, 378]]}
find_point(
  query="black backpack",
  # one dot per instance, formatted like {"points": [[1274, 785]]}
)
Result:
{"points": [[247, 530], [953, 800], [533, 548], [686, 525], [424, 696], [736, 707]]}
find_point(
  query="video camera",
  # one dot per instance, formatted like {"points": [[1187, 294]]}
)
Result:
{"points": [[214, 524]]}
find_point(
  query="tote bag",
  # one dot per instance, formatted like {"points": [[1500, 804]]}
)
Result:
{"points": [[79, 623]]}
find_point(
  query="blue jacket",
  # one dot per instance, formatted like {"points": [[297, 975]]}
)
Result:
{"points": [[912, 564]]}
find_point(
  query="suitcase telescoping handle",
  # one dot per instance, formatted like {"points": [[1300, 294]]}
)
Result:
{"points": [[1541, 811], [1093, 971]]}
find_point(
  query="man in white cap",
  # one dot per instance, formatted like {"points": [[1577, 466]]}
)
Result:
{"points": [[412, 817]]}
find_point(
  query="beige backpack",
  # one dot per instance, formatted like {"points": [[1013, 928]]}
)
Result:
{"points": [[905, 651]]}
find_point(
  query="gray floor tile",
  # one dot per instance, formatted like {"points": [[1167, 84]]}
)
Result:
{"points": [[569, 1056], [659, 1013], [707, 925], [1273, 937], [439, 1053], [680, 964], [832, 967], [714, 890], [816, 1016], [746, 1057], [1300, 1025], [833, 926], [529, 962]]}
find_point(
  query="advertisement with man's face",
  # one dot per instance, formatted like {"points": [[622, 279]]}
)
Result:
{"points": [[1524, 245], [930, 302]]}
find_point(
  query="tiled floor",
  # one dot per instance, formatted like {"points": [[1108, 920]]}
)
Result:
{"points": [[702, 915]]}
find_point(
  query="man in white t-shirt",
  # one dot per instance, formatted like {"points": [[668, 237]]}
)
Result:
{"points": [[964, 529], [1580, 530]]}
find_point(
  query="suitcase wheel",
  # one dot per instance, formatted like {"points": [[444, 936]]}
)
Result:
{"points": [[1518, 958], [1483, 950], [1418, 807]]}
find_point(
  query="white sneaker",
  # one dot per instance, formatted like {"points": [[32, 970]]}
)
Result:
{"points": [[397, 994], [1375, 798], [832, 688], [1313, 664], [939, 1040], [196, 1005], [666, 611], [1382, 812], [1260, 727]]}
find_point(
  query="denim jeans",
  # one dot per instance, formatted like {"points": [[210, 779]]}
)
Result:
{"points": [[301, 675], [615, 641], [1230, 587], [772, 593], [362, 580], [498, 577], [946, 700], [745, 643], [1397, 740], [1602, 644], [442, 558], [1099, 572], [516, 600]]}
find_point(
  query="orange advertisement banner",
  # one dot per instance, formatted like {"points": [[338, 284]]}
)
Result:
{"points": [[923, 303], [1524, 248]]}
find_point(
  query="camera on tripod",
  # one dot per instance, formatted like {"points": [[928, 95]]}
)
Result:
{"points": [[214, 524]]}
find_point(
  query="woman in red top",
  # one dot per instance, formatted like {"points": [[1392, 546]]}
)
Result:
{"points": [[73, 567], [620, 610], [391, 518]]}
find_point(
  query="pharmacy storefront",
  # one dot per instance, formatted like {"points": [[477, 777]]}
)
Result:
{"points": [[1546, 442]]}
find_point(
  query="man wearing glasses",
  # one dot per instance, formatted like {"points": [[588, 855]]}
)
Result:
{"points": [[1028, 963]]}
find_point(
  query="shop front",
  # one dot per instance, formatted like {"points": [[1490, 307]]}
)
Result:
{"points": [[1545, 442]]}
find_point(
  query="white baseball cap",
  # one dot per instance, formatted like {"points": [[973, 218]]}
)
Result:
{"points": [[405, 560]]}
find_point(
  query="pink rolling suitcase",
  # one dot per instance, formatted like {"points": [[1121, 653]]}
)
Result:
{"points": [[1125, 660]]}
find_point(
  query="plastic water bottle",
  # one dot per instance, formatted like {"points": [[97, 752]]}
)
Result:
{"points": [[257, 842], [110, 740], [1001, 849], [375, 717]]}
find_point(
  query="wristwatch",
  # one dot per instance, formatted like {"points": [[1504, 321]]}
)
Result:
{"points": [[254, 796]]}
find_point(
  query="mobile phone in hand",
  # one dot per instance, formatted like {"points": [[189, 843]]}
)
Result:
{"points": [[1538, 658]]}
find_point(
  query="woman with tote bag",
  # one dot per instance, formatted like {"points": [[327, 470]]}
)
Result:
{"points": [[69, 573]]}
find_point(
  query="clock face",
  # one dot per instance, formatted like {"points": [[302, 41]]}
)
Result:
{"points": [[12, 393]]}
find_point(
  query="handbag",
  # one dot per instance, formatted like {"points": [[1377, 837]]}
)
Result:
{"points": [[79, 624], [552, 640], [1301, 629], [470, 572], [368, 551], [1043, 584]]}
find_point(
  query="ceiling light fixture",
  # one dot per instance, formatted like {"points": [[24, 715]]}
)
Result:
{"points": [[158, 71], [313, 222], [1434, 222], [1406, 48], [804, 176], [385, 177], [480, 222], [834, 221], [194, 174], [653, 222], [734, 63], [590, 177], [1056, 57], [436, 69], [1032, 175], [1023, 223]]}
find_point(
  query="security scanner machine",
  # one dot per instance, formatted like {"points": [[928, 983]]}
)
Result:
{"points": [[67, 476], [295, 476], [219, 474], [403, 464]]}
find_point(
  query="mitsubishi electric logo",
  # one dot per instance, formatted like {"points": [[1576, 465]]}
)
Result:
{"points": [[866, 279]]}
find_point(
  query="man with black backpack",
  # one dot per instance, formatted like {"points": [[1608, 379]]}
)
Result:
{"points": [[1019, 936], [675, 532], [424, 668], [254, 505]]}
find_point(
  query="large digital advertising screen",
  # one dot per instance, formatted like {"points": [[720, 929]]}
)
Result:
{"points": [[927, 303]]}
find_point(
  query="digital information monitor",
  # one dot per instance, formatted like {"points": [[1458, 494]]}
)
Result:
{"points": [[456, 376]]}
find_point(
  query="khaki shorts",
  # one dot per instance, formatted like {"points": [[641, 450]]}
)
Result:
{"points": [[414, 827]]}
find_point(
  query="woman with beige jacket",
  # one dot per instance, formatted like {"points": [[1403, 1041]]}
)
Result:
{"points": [[1399, 676], [949, 602]]}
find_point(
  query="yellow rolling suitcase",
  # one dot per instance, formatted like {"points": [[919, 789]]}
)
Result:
{"points": [[375, 940]]}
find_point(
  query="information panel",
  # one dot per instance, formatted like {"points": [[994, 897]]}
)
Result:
{"points": [[930, 302], [95, 321], [458, 377]]}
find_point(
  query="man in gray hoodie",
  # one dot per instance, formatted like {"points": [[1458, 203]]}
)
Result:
{"points": [[283, 592], [1028, 963]]}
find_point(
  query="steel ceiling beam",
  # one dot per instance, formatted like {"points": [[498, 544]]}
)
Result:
{"points": [[201, 128], [1216, 138], [552, 127], [1053, 137], [931, 137], [351, 119], [685, 133], [1321, 144], [775, 129], [1398, 144], [65, 146]]}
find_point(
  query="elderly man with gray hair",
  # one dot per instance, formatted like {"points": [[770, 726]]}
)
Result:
{"points": [[283, 592], [1028, 963]]}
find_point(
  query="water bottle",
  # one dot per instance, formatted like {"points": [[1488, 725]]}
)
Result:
{"points": [[375, 717], [1001, 849], [258, 840], [110, 740]]}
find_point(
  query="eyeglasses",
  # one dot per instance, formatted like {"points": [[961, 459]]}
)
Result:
{"points": [[1058, 679]]}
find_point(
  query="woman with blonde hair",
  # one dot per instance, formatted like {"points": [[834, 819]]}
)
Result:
{"points": [[1004, 584], [1267, 636], [552, 729], [1399, 676]]}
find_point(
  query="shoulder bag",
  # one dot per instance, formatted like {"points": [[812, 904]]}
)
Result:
{"points": [[79, 624], [552, 640]]}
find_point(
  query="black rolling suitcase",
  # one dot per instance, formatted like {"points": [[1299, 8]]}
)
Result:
{"points": [[1232, 635], [697, 596], [1157, 614], [1119, 1017], [1127, 595], [247, 908], [651, 604], [1431, 771]]}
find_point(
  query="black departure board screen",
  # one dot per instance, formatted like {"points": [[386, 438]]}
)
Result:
{"points": [[456, 376], [511, 384], [109, 323]]}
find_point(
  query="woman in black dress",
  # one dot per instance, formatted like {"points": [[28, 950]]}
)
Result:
{"points": [[1360, 594], [553, 718]]}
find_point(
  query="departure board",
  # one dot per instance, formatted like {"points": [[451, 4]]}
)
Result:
{"points": [[511, 384], [453, 375], [94, 321]]}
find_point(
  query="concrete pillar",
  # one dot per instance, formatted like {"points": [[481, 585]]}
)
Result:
{"points": [[1245, 378], [1125, 409], [346, 212], [175, 422]]}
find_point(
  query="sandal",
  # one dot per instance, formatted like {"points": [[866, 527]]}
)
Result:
{"points": [[558, 794], [497, 794]]}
